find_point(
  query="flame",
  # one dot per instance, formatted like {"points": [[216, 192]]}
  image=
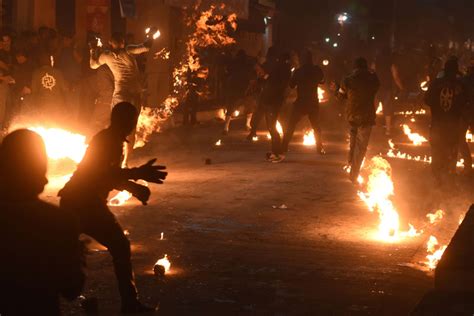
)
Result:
{"points": [[236, 113], [435, 252], [99, 42], [255, 139], [165, 263], [325, 62], [380, 191], [435, 217], [379, 108], [163, 54], [279, 129], [469, 137], [156, 34], [61, 144], [322, 95], [416, 138], [309, 139], [51, 58], [218, 143], [120, 198], [147, 30], [410, 113], [424, 86]]}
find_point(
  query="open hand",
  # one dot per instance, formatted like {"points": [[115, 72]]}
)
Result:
{"points": [[152, 173]]}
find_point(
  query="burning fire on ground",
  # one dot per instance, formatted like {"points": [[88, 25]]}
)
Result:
{"points": [[416, 138]]}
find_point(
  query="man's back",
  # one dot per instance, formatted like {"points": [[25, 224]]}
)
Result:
{"points": [[306, 80], [447, 97], [41, 256], [361, 87]]}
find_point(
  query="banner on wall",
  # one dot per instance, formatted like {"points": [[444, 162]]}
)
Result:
{"points": [[128, 8]]}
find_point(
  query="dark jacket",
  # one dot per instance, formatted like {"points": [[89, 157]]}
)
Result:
{"points": [[41, 257], [306, 80], [447, 98], [360, 88], [275, 86]]}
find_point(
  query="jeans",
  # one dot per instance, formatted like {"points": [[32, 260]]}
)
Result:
{"points": [[359, 141]]}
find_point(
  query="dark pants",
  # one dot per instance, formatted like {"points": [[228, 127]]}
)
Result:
{"points": [[359, 141], [256, 119], [296, 115], [444, 151], [271, 116], [463, 146], [190, 108], [98, 222]]}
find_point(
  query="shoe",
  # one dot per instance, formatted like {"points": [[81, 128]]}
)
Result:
{"points": [[271, 156], [279, 158], [136, 308]]}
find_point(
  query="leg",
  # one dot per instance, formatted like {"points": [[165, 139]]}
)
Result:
{"points": [[313, 116], [103, 227], [256, 118], [353, 136], [271, 116], [290, 130], [360, 149]]}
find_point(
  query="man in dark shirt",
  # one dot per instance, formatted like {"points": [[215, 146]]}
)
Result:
{"points": [[272, 98], [359, 88], [306, 80], [96, 176], [39, 243], [447, 98]]}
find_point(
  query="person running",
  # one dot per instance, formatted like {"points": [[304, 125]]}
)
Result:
{"points": [[447, 98], [86, 195], [359, 89], [306, 80], [42, 258]]}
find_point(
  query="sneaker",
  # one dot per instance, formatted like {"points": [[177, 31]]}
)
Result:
{"points": [[279, 158], [271, 156], [136, 308]]}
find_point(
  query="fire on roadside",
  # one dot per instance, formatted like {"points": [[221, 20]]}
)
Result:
{"points": [[416, 138], [435, 252]]}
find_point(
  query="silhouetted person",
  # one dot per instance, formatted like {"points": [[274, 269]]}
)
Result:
{"points": [[263, 73], [359, 88], [271, 99], [39, 243], [467, 119], [447, 98], [96, 176], [306, 80]]}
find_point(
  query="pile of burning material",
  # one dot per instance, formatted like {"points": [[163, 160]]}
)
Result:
{"points": [[378, 196], [415, 138], [208, 29]]}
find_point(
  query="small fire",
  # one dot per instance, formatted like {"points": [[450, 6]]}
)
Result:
{"points": [[424, 86], [255, 139], [435, 252], [165, 263], [218, 143], [163, 54], [279, 129], [162, 236], [51, 58], [61, 144], [99, 42], [416, 138], [380, 191], [435, 217], [325, 62], [322, 95], [236, 113], [410, 113], [380, 108], [156, 34], [120, 198], [309, 139], [469, 137]]}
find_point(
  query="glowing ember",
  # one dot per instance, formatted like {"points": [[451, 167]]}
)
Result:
{"points": [[416, 138], [163, 54], [435, 252], [424, 86], [120, 198], [322, 95], [410, 113], [435, 217], [379, 108], [378, 197], [309, 139], [255, 139], [61, 144], [218, 143], [469, 136], [165, 263]]}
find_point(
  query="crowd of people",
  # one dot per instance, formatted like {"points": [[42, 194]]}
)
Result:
{"points": [[46, 74]]}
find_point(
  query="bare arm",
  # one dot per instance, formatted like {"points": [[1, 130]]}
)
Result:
{"points": [[97, 61], [137, 49]]}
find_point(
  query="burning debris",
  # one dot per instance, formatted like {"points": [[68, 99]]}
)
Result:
{"points": [[218, 143], [416, 138], [379, 108], [162, 266], [309, 139], [162, 54], [435, 252], [378, 197], [436, 217]]}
